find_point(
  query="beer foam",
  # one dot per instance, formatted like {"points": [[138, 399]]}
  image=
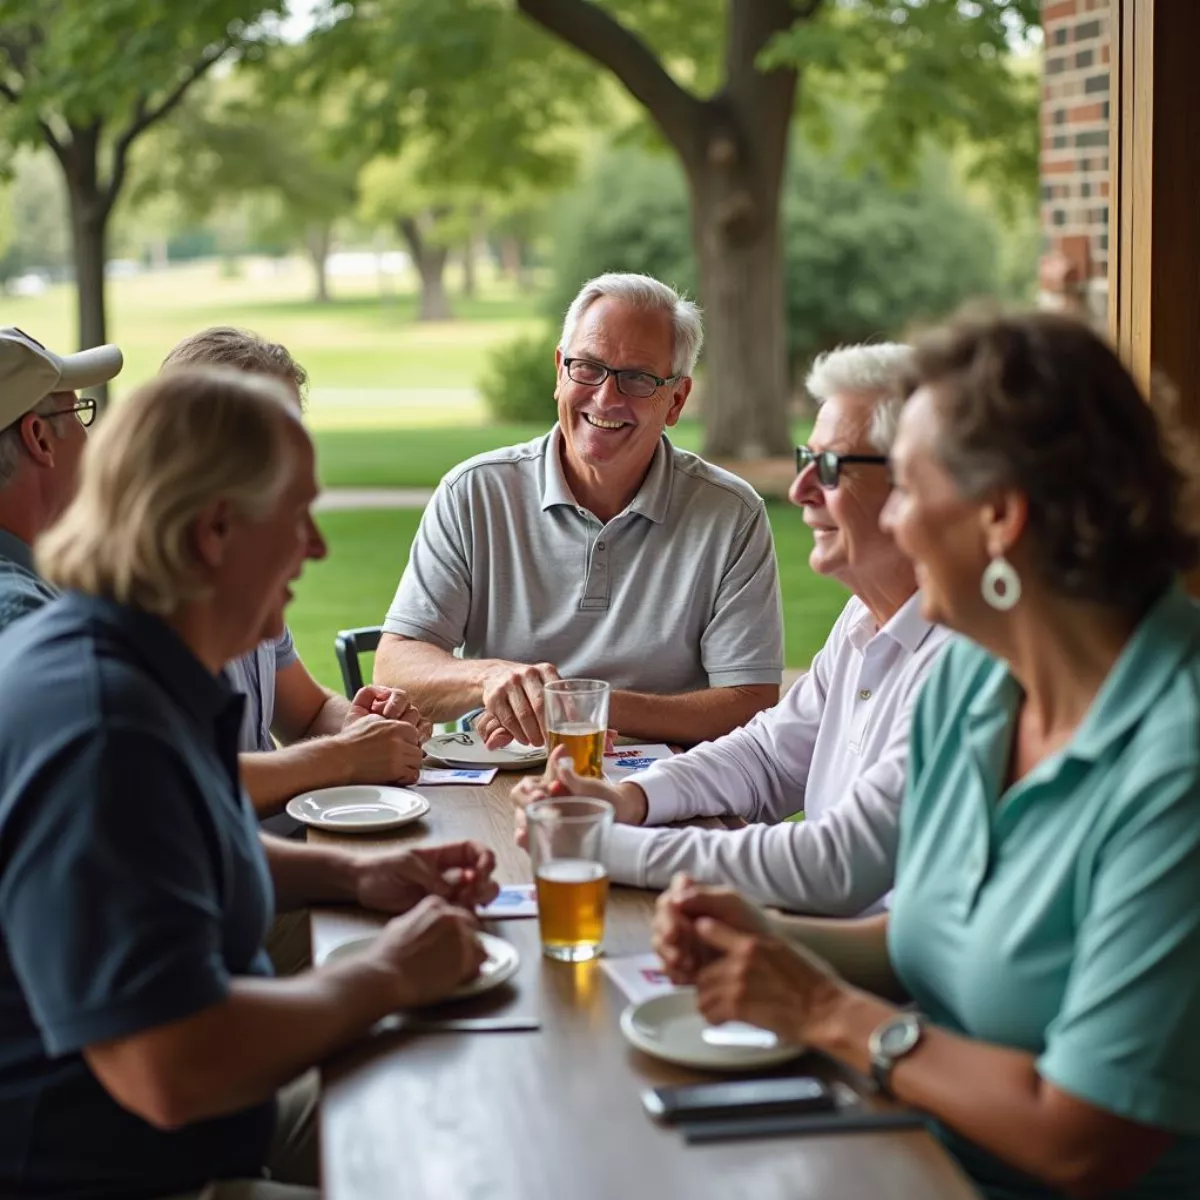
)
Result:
{"points": [[571, 870]]}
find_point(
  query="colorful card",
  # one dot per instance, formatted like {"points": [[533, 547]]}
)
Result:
{"points": [[626, 760], [432, 776], [639, 976], [515, 900]]}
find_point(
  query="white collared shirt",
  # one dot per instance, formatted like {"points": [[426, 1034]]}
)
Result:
{"points": [[836, 747]]}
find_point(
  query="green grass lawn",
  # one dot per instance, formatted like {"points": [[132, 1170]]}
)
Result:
{"points": [[370, 362], [368, 551]]}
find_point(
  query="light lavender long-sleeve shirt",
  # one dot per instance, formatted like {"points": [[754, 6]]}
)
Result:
{"points": [[836, 747]]}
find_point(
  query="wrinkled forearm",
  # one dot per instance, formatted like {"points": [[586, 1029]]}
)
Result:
{"points": [[689, 717], [442, 686]]}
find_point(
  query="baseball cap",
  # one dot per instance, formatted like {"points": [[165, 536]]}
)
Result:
{"points": [[29, 372]]}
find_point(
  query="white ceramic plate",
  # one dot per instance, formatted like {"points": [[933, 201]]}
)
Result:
{"points": [[468, 750], [358, 809], [501, 964], [671, 1027]]}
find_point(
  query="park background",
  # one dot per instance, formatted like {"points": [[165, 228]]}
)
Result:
{"points": [[407, 195]]}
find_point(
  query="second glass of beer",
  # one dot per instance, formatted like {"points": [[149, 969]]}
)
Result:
{"points": [[576, 716], [566, 844]]}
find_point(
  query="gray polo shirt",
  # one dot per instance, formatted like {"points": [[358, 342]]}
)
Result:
{"points": [[677, 593], [22, 589]]}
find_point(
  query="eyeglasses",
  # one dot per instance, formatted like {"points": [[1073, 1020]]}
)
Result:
{"points": [[638, 384], [829, 464], [85, 410]]}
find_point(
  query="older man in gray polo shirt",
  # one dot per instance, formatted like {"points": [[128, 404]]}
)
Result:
{"points": [[598, 550]]}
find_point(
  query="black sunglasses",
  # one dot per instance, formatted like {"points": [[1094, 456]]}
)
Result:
{"points": [[85, 410], [829, 463]]}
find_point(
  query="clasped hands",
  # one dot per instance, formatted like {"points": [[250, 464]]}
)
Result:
{"points": [[713, 939]]}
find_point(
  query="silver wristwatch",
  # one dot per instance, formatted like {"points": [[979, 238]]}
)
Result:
{"points": [[890, 1042]]}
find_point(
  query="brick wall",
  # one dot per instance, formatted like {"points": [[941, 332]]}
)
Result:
{"points": [[1074, 159]]}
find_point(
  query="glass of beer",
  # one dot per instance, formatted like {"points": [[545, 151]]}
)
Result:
{"points": [[566, 843], [576, 716]]}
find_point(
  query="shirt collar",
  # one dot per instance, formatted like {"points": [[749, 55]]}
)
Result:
{"points": [[1167, 635], [165, 655], [1163, 639], [906, 626], [11, 547], [653, 497]]}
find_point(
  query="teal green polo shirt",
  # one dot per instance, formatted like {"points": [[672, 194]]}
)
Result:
{"points": [[1062, 916]]}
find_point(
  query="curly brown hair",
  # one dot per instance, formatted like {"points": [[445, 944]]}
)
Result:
{"points": [[227, 346], [1039, 402]]}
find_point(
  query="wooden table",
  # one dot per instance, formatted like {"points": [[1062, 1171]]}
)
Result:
{"points": [[554, 1113]]}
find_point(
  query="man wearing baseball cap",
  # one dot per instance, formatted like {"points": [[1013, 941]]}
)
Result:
{"points": [[42, 423]]}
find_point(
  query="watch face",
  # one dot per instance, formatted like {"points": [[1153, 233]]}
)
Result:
{"points": [[901, 1035]]}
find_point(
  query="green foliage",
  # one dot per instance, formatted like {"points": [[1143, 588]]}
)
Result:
{"points": [[38, 211], [72, 63], [519, 382], [630, 213], [921, 70], [865, 258]]}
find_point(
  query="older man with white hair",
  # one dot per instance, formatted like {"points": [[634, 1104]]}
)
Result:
{"points": [[598, 550], [836, 747]]}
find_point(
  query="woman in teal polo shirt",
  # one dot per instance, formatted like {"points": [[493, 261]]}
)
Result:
{"points": [[1046, 918]]}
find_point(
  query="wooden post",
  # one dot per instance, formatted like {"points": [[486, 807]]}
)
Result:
{"points": [[1154, 211]]}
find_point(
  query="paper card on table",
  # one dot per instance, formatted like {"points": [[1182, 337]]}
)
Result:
{"points": [[432, 776], [625, 760], [639, 976], [515, 900]]}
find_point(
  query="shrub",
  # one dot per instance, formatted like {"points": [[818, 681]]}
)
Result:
{"points": [[519, 380]]}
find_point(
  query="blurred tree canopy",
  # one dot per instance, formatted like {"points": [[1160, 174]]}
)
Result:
{"points": [[87, 78], [724, 102], [245, 136]]}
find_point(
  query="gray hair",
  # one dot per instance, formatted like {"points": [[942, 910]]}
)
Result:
{"points": [[880, 370], [643, 291], [10, 441]]}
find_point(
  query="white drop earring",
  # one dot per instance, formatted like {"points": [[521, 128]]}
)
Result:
{"points": [[1000, 585]]}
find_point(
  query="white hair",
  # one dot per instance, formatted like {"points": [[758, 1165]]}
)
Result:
{"points": [[643, 291], [873, 370]]}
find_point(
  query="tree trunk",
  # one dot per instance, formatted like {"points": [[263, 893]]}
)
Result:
{"points": [[89, 210], [430, 260], [470, 285], [746, 389], [317, 240]]}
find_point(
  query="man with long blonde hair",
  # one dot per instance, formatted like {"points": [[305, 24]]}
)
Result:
{"points": [[143, 1040]]}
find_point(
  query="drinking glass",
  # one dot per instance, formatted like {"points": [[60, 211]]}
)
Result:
{"points": [[566, 843], [576, 716]]}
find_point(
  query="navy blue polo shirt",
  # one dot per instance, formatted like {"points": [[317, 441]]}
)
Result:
{"points": [[133, 887]]}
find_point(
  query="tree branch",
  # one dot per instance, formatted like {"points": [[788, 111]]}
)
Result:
{"points": [[590, 29], [145, 114]]}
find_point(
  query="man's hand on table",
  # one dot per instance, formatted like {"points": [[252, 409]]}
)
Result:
{"points": [[513, 704], [628, 800], [394, 881], [392, 703], [381, 738], [428, 952]]}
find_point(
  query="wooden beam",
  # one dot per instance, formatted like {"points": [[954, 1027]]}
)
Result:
{"points": [[1154, 194]]}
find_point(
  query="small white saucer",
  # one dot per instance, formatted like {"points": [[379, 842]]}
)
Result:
{"points": [[469, 750], [501, 964], [670, 1027], [360, 808]]}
